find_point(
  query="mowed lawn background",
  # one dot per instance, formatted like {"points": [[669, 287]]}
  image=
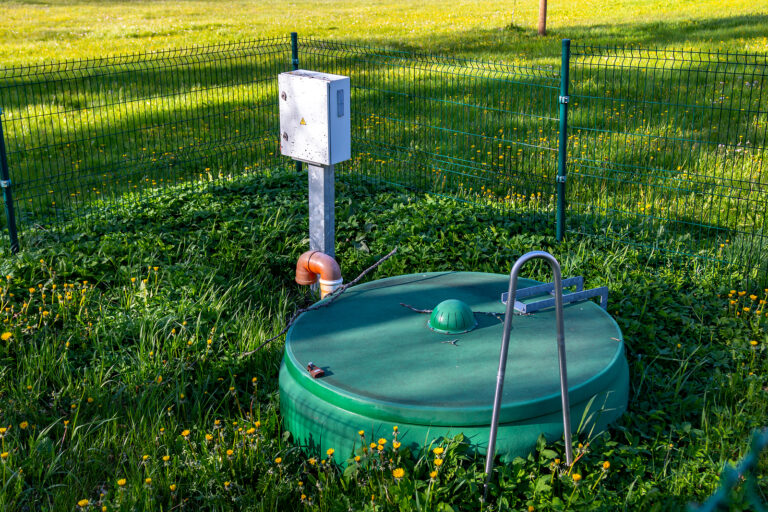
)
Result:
{"points": [[60, 29]]}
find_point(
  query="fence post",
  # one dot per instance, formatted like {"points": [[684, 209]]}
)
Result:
{"points": [[295, 65], [5, 183], [562, 148]]}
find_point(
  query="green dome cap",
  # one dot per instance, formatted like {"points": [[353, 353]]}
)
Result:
{"points": [[452, 317]]}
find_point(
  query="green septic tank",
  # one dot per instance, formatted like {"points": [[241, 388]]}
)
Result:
{"points": [[387, 365]]}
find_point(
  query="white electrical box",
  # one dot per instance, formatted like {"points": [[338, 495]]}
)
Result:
{"points": [[314, 117]]}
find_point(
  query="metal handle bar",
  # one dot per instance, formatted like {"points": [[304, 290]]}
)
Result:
{"points": [[513, 275]]}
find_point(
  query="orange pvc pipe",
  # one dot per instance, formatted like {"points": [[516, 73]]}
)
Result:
{"points": [[314, 263]]}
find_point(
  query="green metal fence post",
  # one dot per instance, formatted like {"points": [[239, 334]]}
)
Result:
{"points": [[562, 148], [5, 183], [295, 64]]}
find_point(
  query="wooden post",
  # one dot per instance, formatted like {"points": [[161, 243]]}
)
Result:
{"points": [[542, 17]]}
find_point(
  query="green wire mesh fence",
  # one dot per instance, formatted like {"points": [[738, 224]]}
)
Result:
{"points": [[665, 148], [480, 131], [101, 132], [744, 475]]}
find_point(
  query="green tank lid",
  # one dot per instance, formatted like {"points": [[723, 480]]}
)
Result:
{"points": [[452, 316], [382, 361]]}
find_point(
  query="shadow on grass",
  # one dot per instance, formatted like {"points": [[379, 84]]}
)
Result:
{"points": [[461, 129]]}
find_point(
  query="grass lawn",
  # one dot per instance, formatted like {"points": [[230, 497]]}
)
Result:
{"points": [[123, 385], [45, 30]]}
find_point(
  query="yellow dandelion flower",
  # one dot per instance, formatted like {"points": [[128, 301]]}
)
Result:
{"points": [[83, 503], [148, 481], [312, 461], [227, 484], [133, 279], [172, 487], [576, 477], [250, 431], [398, 473], [438, 451], [144, 457], [166, 458], [208, 437], [4, 455], [606, 465], [6, 336], [438, 462], [357, 458], [753, 343], [185, 433], [23, 425], [396, 445], [433, 475], [382, 441], [330, 452], [278, 460], [753, 297], [230, 452], [361, 432]]}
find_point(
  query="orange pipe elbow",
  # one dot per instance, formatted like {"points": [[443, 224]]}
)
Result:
{"points": [[314, 263]]}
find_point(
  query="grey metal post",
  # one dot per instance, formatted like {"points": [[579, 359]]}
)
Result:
{"points": [[321, 209], [295, 66], [505, 349], [5, 183]]}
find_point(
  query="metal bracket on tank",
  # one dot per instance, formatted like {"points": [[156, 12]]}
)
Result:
{"points": [[549, 288]]}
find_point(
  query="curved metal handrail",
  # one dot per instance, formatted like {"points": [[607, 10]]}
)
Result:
{"points": [[513, 275]]}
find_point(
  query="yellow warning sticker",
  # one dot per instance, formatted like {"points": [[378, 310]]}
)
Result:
{"points": [[303, 122]]}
